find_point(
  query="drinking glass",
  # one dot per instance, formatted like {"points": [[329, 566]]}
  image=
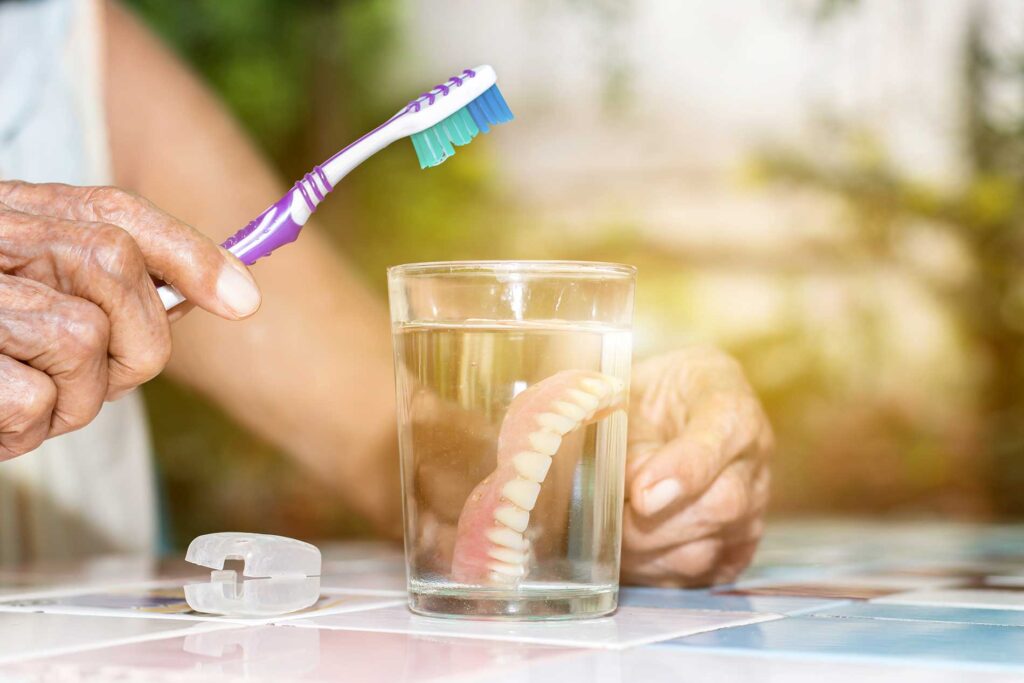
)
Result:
{"points": [[512, 379]]}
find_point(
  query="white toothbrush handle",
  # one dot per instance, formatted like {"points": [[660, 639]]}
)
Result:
{"points": [[342, 163], [170, 296]]}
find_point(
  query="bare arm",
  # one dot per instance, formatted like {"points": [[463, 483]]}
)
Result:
{"points": [[312, 370]]}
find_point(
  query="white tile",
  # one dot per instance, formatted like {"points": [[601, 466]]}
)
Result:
{"points": [[630, 626], [32, 634], [168, 602], [278, 653]]}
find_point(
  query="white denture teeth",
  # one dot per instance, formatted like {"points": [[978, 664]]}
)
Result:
{"points": [[532, 466], [588, 402], [571, 411], [504, 536], [558, 424], [503, 579], [507, 555], [521, 492], [516, 570], [545, 442], [595, 386], [512, 517], [603, 388]]}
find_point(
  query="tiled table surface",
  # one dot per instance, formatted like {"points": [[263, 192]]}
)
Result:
{"points": [[824, 601]]}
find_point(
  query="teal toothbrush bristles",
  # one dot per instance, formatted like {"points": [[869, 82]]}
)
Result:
{"points": [[435, 144]]}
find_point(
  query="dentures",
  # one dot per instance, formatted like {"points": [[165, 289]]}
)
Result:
{"points": [[490, 545]]}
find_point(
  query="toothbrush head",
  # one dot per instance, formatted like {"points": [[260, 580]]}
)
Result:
{"points": [[454, 112]]}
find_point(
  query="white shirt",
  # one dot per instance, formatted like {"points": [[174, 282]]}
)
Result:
{"points": [[90, 491]]}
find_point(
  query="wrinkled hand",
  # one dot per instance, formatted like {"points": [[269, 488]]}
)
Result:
{"points": [[80, 318], [696, 474]]}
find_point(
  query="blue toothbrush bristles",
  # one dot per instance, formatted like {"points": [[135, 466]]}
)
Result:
{"points": [[489, 109], [435, 144]]}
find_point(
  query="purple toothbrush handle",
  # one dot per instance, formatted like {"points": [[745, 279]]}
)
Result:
{"points": [[281, 222], [278, 225], [268, 231]]}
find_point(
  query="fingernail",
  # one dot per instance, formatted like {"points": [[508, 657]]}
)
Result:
{"points": [[657, 497], [238, 291]]}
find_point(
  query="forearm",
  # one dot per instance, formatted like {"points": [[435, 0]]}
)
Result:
{"points": [[312, 370]]}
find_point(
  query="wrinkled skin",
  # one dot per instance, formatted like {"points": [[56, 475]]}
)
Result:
{"points": [[697, 471], [80, 318], [81, 322]]}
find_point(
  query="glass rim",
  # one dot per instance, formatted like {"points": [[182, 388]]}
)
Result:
{"points": [[539, 267]]}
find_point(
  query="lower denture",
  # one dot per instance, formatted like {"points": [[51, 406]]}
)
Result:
{"points": [[490, 546]]}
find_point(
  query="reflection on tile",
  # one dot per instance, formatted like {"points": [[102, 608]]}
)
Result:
{"points": [[956, 615], [25, 635], [99, 572], [964, 571], [666, 598], [1012, 580], [360, 551], [950, 608], [363, 557], [274, 653], [1006, 598], [380, 582], [628, 627], [852, 587], [786, 572], [872, 639], [662, 664], [15, 585], [168, 602]]}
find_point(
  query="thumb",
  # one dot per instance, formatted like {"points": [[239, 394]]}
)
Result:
{"points": [[175, 252]]}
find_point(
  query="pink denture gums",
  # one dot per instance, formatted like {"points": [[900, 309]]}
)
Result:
{"points": [[490, 547]]}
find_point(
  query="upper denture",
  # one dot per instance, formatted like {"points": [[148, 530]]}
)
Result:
{"points": [[490, 546]]}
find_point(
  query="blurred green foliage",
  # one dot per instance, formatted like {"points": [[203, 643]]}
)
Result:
{"points": [[305, 79], [984, 216]]}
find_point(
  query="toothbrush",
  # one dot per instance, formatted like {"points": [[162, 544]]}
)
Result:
{"points": [[451, 113]]}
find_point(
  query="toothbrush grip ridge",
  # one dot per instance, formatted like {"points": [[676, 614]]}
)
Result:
{"points": [[281, 222], [278, 224], [273, 228]]}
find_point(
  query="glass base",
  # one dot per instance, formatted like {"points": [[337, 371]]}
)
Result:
{"points": [[562, 605]]}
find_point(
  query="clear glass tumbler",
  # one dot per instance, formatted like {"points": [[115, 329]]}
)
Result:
{"points": [[512, 380]]}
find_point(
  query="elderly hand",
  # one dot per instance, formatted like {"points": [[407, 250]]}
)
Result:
{"points": [[696, 474], [80, 318]]}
